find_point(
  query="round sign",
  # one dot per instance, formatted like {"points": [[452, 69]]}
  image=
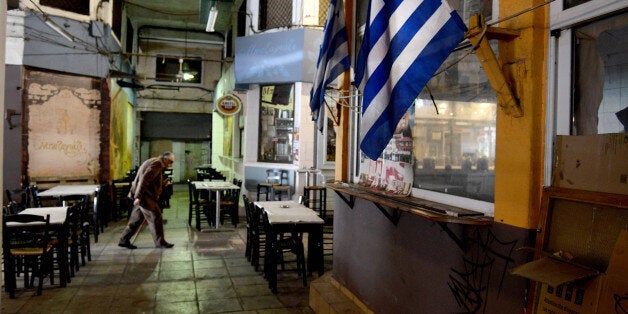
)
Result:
{"points": [[228, 105]]}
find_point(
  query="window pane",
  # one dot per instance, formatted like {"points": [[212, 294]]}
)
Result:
{"points": [[601, 61], [276, 123], [173, 69], [572, 3], [454, 145]]}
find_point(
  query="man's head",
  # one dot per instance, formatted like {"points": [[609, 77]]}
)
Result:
{"points": [[167, 158]]}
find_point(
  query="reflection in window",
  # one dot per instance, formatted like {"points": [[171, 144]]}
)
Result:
{"points": [[330, 141], [276, 123], [601, 51], [454, 138]]}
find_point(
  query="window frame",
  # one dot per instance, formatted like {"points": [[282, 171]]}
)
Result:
{"points": [[487, 208], [560, 65]]}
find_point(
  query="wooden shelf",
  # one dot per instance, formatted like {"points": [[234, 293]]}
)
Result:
{"points": [[423, 208]]}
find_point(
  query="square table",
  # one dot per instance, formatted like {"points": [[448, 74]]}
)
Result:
{"points": [[217, 187], [68, 190], [57, 223], [289, 216]]}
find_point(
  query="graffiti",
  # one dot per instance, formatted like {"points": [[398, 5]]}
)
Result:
{"points": [[71, 150], [470, 286]]}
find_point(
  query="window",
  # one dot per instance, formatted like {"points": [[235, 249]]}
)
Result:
{"points": [[588, 52], [600, 63], [76, 6], [275, 13], [178, 69], [452, 139], [454, 136], [276, 123]]}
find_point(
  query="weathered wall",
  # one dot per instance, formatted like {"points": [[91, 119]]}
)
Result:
{"points": [[416, 267], [63, 125]]}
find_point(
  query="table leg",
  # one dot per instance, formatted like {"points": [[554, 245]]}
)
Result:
{"points": [[217, 209], [315, 250]]}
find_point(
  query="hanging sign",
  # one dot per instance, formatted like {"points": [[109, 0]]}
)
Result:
{"points": [[228, 105]]}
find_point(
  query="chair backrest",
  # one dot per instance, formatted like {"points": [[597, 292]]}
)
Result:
{"points": [[273, 176], [34, 191], [247, 210], [21, 197], [24, 236], [190, 191]]}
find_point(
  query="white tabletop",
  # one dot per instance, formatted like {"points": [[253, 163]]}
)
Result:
{"points": [[215, 185], [57, 214], [288, 212], [65, 190]]}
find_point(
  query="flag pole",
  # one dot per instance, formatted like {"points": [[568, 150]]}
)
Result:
{"points": [[342, 132]]}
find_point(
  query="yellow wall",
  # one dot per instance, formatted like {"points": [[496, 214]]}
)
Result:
{"points": [[121, 139], [520, 141]]}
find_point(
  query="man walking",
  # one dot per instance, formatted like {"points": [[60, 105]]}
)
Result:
{"points": [[145, 191]]}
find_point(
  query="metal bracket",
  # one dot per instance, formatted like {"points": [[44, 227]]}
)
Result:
{"points": [[461, 244], [393, 217], [9, 114], [478, 35], [350, 202]]}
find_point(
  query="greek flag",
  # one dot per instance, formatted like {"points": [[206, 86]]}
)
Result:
{"points": [[333, 58], [404, 44]]}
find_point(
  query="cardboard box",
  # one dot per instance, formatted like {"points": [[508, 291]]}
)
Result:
{"points": [[569, 288], [592, 162]]}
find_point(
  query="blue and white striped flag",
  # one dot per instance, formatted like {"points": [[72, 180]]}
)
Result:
{"points": [[404, 44], [333, 59]]}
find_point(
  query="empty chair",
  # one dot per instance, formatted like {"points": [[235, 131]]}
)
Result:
{"points": [[31, 245], [197, 205], [249, 237], [229, 203], [258, 236], [283, 187], [275, 249], [34, 192], [101, 209], [119, 195], [315, 197], [21, 197], [85, 224]]}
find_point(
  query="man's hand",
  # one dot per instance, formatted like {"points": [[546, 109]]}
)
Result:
{"points": [[136, 202]]}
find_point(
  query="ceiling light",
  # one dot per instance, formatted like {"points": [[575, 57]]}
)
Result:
{"points": [[58, 28], [211, 19]]}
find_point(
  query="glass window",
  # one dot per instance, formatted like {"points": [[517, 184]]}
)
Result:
{"points": [[176, 69], [454, 135], [276, 123], [600, 54]]}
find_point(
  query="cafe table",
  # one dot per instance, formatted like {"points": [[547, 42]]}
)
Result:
{"points": [[290, 216], [217, 187], [58, 225], [70, 190]]}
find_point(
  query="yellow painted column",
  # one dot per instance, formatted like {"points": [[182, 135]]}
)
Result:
{"points": [[520, 141]]}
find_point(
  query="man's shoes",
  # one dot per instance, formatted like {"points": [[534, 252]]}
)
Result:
{"points": [[165, 245], [127, 245]]}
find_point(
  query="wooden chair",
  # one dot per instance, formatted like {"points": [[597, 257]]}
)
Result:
{"points": [[258, 236], [34, 191], [197, 205], [249, 236], [119, 195], [229, 204], [85, 224], [315, 197], [275, 250], [32, 245], [21, 197]]}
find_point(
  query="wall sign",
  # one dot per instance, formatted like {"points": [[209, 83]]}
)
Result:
{"points": [[228, 105]]}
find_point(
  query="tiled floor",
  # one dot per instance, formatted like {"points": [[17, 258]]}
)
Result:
{"points": [[205, 272]]}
